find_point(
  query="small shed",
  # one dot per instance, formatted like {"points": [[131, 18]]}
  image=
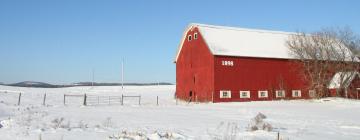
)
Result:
{"points": [[345, 84]]}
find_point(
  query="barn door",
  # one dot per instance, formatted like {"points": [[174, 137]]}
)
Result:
{"points": [[190, 95]]}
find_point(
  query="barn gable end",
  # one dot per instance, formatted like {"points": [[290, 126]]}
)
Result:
{"points": [[194, 68]]}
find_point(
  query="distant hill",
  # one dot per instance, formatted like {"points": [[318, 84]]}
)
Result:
{"points": [[119, 84], [33, 84], [46, 85]]}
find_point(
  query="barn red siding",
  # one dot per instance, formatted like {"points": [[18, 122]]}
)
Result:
{"points": [[254, 74], [195, 70], [354, 88]]}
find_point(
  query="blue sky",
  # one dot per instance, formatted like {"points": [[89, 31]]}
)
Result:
{"points": [[61, 41]]}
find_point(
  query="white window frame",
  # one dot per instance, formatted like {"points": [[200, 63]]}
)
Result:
{"points": [[277, 93], [222, 93], [294, 91], [266, 94], [195, 36], [312, 93], [189, 38], [247, 94]]}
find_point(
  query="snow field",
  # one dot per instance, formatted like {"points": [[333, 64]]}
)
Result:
{"points": [[295, 120]]}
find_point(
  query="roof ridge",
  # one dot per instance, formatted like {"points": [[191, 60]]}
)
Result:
{"points": [[242, 29]]}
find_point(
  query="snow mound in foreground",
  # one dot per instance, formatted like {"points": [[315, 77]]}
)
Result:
{"points": [[125, 135], [6, 123], [258, 123]]}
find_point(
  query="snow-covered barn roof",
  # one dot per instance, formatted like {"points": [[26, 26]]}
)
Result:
{"points": [[348, 77], [230, 41]]}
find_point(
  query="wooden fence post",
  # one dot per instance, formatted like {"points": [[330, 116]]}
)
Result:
{"points": [[84, 99], [139, 100], [157, 100], [64, 98], [98, 99], [109, 100], [44, 100], [278, 136], [19, 98], [122, 99]]}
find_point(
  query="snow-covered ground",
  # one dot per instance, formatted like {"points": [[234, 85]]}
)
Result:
{"points": [[332, 119]]}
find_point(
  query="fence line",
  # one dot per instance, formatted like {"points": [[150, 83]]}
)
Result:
{"points": [[11, 91], [122, 97], [102, 100], [72, 95], [84, 99]]}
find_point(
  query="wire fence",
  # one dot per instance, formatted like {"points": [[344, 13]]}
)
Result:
{"points": [[74, 99], [16, 97], [103, 100], [12, 96]]}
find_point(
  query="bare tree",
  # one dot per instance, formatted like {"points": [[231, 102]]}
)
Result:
{"points": [[324, 53], [346, 55]]}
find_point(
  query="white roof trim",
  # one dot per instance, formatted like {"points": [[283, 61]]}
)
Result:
{"points": [[182, 42]]}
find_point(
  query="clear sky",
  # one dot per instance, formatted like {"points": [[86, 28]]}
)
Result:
{"points": [[61, 41]]}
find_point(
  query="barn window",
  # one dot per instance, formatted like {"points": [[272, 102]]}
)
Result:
{"points": [[195, 35], [312, 93], [263, 94], [189, 38], [244, 94], [225, 94], [280, 93], [296, 93]]}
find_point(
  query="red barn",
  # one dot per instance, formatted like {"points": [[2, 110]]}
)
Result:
{"points": [[222, 64]]}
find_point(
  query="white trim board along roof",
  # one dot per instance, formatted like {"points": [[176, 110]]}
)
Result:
{"points": [[229, 41]]}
